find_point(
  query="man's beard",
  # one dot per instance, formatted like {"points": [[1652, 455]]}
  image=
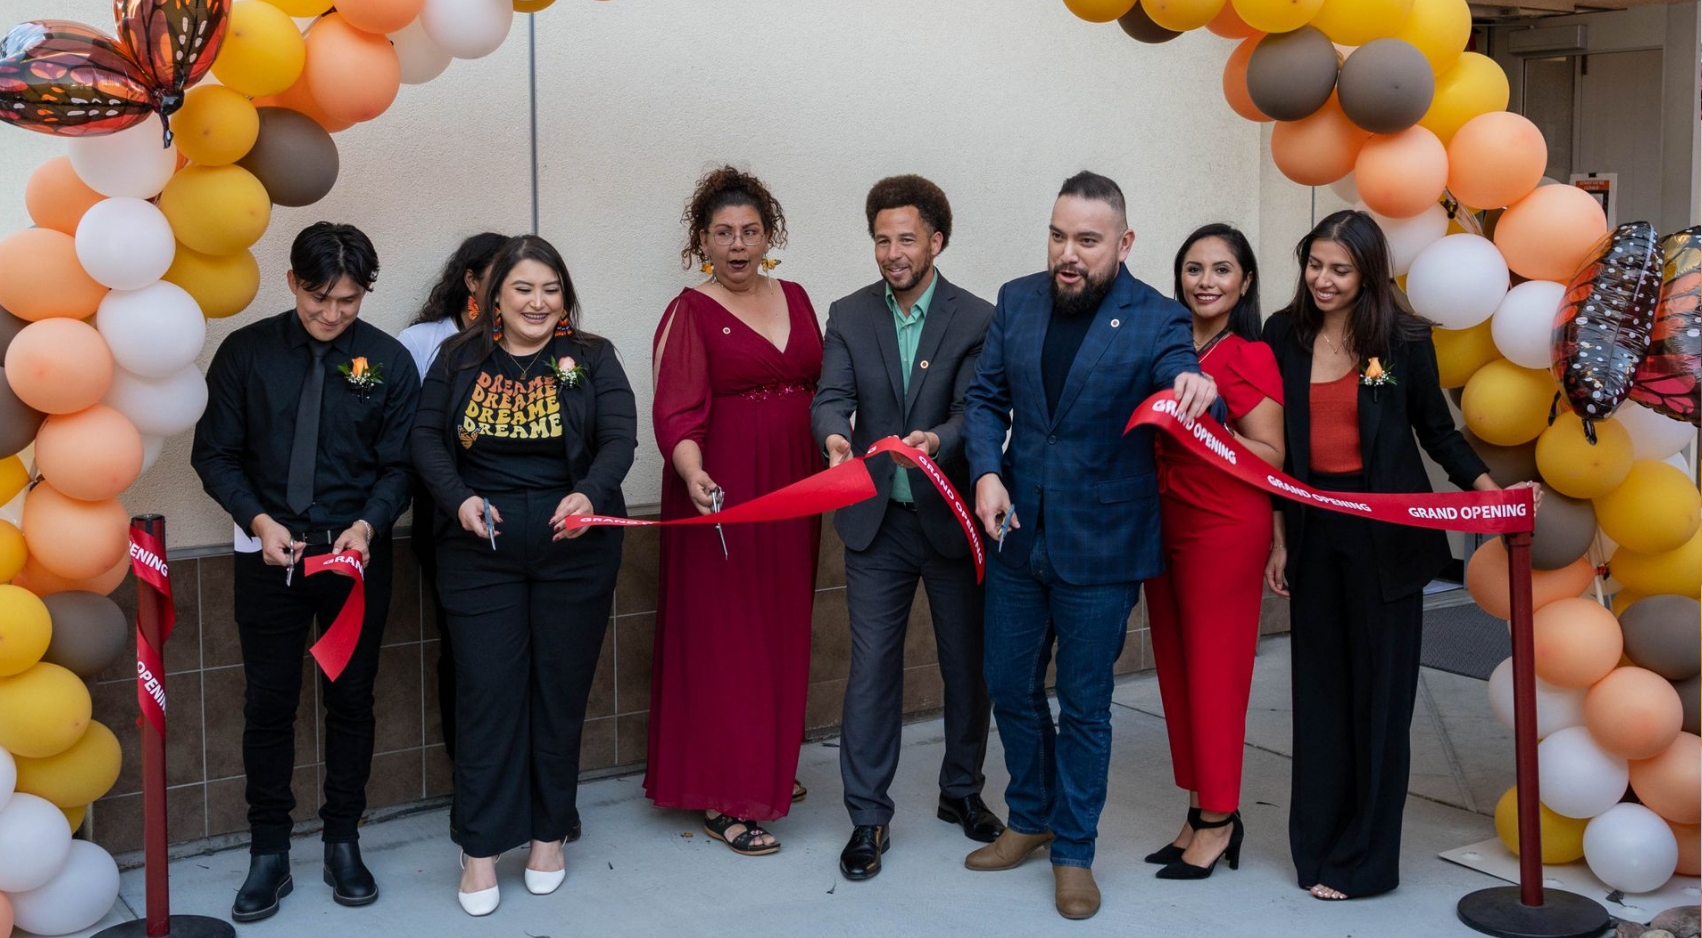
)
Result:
{"points": [[915, 275], [1082, 302]]}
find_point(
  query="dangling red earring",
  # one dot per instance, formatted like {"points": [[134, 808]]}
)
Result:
{"points": [[472, 308], [496, 326], [562, 328]]}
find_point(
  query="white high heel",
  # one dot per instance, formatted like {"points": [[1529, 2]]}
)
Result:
{"points": [[480, 903], [544, 882]]}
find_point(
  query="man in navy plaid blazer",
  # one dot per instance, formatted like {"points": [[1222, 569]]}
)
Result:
{"points": [[1073, 507]]}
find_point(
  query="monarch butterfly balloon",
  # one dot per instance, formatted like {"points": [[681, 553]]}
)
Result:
{"points": [[174, 42], [65, 78], [1667, 379], [1601, 331]]}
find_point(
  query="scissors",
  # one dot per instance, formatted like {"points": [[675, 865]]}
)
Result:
{"points": [[716, 499], [490, 526], [289, 553], [1005, 526]]}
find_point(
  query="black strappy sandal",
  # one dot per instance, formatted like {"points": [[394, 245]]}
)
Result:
{"points": [[718, 826], [799, 792]]}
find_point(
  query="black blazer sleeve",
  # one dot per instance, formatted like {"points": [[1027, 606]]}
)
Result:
{"points": [[1433, 422], [433, 462], [615, 437], [836, 392]]}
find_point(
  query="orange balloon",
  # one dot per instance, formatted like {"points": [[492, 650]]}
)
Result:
{"points": [[299, 97], [379, 16], [58, 366], [1689, 848], [90, 455], [6, 916], [1546, 235], [1670, 784], [1486, 580], [1235, 80], [1577, 643], [56, 197], [1230, 25], [1496, 159], [1317, 149], [1400, 175], [354, 75], [44, 582], [1635, 713], [75, 539], [41, 278]]}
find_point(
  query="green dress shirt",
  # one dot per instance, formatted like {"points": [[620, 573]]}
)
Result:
{"points": [[909, 336]]}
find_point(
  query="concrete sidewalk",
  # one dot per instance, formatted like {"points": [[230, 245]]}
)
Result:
{"points": [[639, 871]]}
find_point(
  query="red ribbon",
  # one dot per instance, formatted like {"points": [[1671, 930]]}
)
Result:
{"points": [[147, 561], [337, 645], [1504, 512]]}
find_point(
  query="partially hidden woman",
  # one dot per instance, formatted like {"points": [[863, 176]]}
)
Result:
{"points": [[736, 361], [450, 306], [524, 420], [1204, 608], [1360, 381]]}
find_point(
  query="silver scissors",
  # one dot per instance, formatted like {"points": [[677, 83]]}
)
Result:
{"points": [[717, 498], [289, 571], [1005, 526]]}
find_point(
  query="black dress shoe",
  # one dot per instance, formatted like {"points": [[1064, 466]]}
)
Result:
{"points": [[574, 830], [267, 884], [978, 821], [861, 858], [350, 881]]}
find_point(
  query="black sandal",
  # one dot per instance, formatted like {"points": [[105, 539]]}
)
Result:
{"points": [[718, 826], [799, 792]]}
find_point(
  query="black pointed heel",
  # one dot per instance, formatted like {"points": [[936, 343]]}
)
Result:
{"points": [[1170, 853], [1181, 869]]}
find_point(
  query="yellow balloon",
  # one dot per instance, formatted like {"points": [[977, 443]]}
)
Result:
{"points": [[1507, 405], [216, 209], [1357, 22], [1182, 15], [263, 51], [1653, 511], [1440, 29], [1099, 11], [78, 775], [223, 285], [1676, 572], [43, 711], [25, 628], [1562, 837], [13, 477], [1474, 85], [74, 816], [215, 126], [1276, 16], [531, 6], [302, 7], [1571, 466], [13, 551], [1461, 352]]}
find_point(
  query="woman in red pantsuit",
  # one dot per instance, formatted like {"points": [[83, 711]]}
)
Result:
{"points": [[1204, 608]]}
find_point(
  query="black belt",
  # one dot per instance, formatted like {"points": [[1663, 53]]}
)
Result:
{"points": [[907, 506], [322, 538]]}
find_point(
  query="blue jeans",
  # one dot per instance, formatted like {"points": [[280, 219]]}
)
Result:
{"points": [[1058, 774]]}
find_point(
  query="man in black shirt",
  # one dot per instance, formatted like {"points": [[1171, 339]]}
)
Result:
{"points": [[305, 443]]}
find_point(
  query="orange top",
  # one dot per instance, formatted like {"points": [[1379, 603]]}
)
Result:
{"points": [[1335, 425]]}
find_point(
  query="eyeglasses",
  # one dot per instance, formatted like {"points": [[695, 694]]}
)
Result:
{"points": [[725, 237]]}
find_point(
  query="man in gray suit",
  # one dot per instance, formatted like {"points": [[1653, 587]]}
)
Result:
{"points": [[900, 355]]}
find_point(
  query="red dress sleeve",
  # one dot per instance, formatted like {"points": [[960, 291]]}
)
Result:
{"points": [[680, 374], [1248, 377]]}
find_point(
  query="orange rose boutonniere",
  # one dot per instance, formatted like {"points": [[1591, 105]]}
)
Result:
{"points": [[362, 375], [1375, 375], [569, 372]]}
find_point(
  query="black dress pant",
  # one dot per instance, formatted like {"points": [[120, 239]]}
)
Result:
{"points": [[528, 621], [1355, 673], [275, 623], [424, 543], [880, 586]]}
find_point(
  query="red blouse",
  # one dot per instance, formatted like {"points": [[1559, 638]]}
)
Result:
{"points": [[1335, 425]]}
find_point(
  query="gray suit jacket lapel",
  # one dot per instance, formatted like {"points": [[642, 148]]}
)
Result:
{"points": [[933, 332], [886, 335]]}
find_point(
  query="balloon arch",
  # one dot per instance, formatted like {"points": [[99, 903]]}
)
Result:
{"points": [[143, 230]]}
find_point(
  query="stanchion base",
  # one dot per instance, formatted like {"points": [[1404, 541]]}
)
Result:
{"points": [[1498, 911], [182, 926]]}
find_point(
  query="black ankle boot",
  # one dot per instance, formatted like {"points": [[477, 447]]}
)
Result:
{"points": [[1182, 869], [1170, 853], [350, 882], [264, 890]]}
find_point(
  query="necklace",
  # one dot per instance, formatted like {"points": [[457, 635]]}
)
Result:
{"points": [[1331, 344], [526, 369], [1201, 351]]}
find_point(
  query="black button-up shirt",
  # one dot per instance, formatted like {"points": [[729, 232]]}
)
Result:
{"points": [[242, 443]]}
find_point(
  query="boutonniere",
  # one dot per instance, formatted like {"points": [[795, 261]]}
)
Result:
{"points": [[361, 375], [569, 372], [1375, 375]]}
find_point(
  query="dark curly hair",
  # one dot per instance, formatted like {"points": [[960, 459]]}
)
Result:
{"points": [[1245, 319], [448, 299], [918, 193], [718, 189]]}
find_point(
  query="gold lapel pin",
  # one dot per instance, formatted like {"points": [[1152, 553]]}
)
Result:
{"points": [[924, 363], [1115, 323]]}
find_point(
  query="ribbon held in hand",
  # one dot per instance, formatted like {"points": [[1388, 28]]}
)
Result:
{"points": [[337, 645]]}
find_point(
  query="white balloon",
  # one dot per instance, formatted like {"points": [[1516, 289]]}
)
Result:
{"points": [[132, 162], [1630, 848], [422, 60], [152, 447], [1679, 461], [159, 406], [1458, 281], [153, 332], [1578, 778], [125, 243], [78, 897], [1346, 189], [1557, 707], [467, 29], [1407, 237], [1523, 327], [34, 840], [8, 777], [1653, 435]]}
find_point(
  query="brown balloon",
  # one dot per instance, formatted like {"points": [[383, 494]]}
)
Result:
{"points": [[18, 422], [294, 158], [1565, 528], [1689, 693], [1507, 464], [1386, 86], [1661, 634], [89, 632], [10, 326], [1290, 75], [1139, 26]]}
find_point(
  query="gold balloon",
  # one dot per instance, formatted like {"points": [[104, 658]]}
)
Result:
{"points": [[1276, 16], [263, 52], [1572, 466], [303, 8], [74, 816], [1099, 11], [1474, 85], [43, 711], [1182, 15], [222, 285], [1562, 837], [531, 6], [13, 551], [1357, 22], [1677, 571], [215, 126], [13, 477], [1507, 405], [1653, 511], [78, 775], [216, 209], [1461, 352], [25, 628], [1440, 29]]}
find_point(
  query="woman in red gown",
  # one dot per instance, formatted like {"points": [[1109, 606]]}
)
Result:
{"points": [[1204, 608], [736, 363]]}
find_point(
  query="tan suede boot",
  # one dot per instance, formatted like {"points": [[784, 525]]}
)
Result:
{"points": [[1076, 894], [1007, 852]]}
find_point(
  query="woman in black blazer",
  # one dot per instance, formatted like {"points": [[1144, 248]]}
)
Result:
{"points": [[1360, 382], [523, 421]]}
